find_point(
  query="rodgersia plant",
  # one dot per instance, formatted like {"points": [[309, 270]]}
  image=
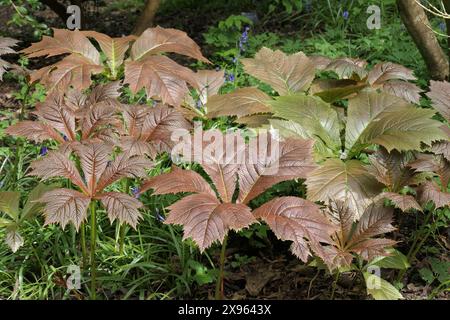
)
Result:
{"points": [[97, 172], [212, 210], [139, 59]]}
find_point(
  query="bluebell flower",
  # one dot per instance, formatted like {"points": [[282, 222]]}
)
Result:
{"points": [[345, 14], [244, 39], [43, 151], [218, 68], [198, 104], [65, 138], [442, 26], [235, 60], [135, 192], [231, 77]]}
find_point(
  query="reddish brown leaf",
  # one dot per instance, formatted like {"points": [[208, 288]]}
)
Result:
{"points": [[430, 191], [64, 41], [158, 40], [402, 201], [178, 181], [209, 83], [294, 160], [297, 220], [33, 130], [440, 97], [285, 74], [57, 164], [122, 207], [161, 77], [64, 206], [385, 71]]}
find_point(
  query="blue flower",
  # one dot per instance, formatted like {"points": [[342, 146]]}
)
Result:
{"points": [[135, 192], [235, 60], [217, 68], [43, 151], [230, 78], [2, 183], [345, 14], [442, 26], [65, 138], [244, 39], [198, 104]]}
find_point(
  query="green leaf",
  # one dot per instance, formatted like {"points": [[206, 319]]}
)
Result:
{"points": [[33, 207], [396, 260], [380, 289], [292, 129], [317, 118], [427, 275], [380, 118], [9, 203]]}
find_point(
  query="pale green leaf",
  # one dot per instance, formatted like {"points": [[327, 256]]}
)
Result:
{"points": [[9, 203], [317, 118], [396, 260], [380, 289]]}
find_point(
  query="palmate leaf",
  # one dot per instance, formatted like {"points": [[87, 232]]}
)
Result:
{"points": [[343, 180], [74, 70], [385, 71], [297, 220], [64, 206], [294, 161], [113, 48], [356, 238], [99, 171], [161, 77], [207, 217], [436, 164], [73, 116], [379, 118], [348, 68], [240, 103], [159, 40], [285, 74], [149, 130], [122, 207], [392, 169], [431, 192], [206, 220], [316, 117]]}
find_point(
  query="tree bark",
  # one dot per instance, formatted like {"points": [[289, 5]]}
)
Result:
{"points": [[147, 17], [416, 21]]}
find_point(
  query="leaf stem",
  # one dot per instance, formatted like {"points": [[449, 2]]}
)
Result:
{"points": [[334, 286], [219, 284], [83, 245], [93, 244]]}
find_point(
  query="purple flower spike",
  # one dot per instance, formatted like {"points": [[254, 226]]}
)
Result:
{"points": [[43, 151], [442, 26], [65, 138]]}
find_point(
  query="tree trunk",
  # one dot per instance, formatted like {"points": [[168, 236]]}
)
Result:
{"points": [[447, 23], [147, 17], [416, 21]]}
